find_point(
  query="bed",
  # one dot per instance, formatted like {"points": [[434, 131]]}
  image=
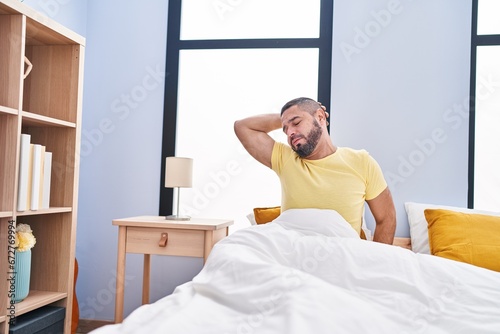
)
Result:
{"points": [[308, 272]]}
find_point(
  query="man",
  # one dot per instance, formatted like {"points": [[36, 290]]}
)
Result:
{"points": [[313, 172]]}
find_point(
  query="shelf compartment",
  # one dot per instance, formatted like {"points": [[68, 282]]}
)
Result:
{"points": [[50, 268], [11, 64], [37, 299], [61, 141], [8, 156], [51, 89]]}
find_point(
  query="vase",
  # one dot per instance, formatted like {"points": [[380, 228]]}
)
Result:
{"points": [[22, 268]]}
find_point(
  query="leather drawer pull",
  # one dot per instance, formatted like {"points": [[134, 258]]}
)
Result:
{"points": [[163, 240]]}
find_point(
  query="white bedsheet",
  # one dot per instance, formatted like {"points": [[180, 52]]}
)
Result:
{"points": [[300, 274]]}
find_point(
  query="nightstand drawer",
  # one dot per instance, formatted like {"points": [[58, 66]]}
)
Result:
{"points": [[179, 242]]}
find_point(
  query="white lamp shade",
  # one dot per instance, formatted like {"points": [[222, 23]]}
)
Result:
{"points": [[178, 172]]}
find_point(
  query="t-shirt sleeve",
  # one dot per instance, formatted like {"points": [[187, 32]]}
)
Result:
{"points": [[278, 156], [375, 178]]}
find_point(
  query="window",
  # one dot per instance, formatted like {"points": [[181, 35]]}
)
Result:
{"points": [[227, 60], [487, 17], [484, 156], [209, 20]]}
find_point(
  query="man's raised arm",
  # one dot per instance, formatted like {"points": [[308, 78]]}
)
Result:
{"points": [[253, 134]]}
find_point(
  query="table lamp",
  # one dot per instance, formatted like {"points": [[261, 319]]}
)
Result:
{"points": [[178, 174]]}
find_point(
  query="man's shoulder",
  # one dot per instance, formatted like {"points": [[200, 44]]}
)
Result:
{"points": [[356, 157], [352, 152], [282, 154], [282, 148]]}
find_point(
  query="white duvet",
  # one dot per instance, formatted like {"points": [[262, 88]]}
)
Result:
{"points": [[308, 272]]}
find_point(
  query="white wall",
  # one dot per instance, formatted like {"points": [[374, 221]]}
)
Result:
{"points": [[402, 86], [400, 82], [121, 146]]}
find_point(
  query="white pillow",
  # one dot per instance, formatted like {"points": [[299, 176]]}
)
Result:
{"points": [[322, 221], [368, 232], [251, 219], [418, 225]]}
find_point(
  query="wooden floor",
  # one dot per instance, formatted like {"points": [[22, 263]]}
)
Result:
{"points": [[86, 326]]}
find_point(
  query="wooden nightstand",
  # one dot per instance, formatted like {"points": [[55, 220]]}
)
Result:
{"points": [[155, 235]]}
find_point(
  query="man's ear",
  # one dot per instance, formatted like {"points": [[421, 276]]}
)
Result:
{"points": [[322, 115]]}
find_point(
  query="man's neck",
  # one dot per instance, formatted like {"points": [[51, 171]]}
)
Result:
{"points": [[322, 150]]}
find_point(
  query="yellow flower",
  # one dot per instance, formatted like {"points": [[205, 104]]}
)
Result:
{"points": [[25, 239]]}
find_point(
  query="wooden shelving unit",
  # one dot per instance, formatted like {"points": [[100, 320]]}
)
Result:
{"points": [[47, 105]]}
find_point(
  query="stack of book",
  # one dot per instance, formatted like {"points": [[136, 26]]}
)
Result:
{"points": [[35, 166]]}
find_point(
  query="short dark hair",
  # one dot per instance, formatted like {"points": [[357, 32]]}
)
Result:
{"points": [[304, 103]]}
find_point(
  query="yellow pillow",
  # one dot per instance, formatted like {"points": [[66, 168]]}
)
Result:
{"points": [[470, 238], [265, 215]]}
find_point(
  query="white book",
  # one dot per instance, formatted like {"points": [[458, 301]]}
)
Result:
{"points": [[47, 171], [24, 169], [30, 177], [36, 176], [40, 189]]}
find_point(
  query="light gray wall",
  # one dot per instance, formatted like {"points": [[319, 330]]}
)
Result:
{"points": [[402, 84], [121, 144]]}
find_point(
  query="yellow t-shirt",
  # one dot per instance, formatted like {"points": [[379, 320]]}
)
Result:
{"points": [[341, 181]]}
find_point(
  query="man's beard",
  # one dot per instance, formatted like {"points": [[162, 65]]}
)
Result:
{"points": [[312, 139]]}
